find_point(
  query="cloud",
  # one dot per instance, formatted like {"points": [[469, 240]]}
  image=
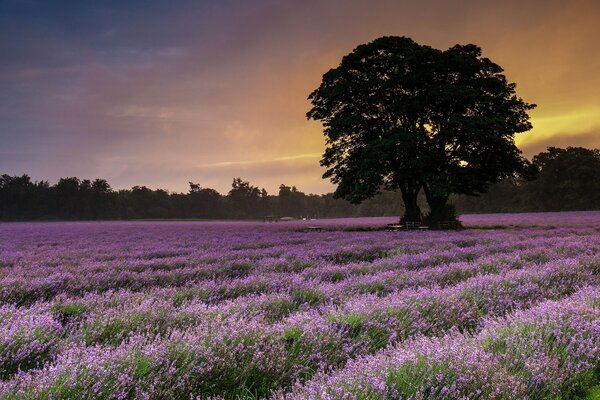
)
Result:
{"points": [[589, 139], [298, 170], [310, 156]]}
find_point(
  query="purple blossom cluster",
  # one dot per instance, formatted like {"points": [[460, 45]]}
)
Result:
{"points": [[155, 310], [549, 351]]}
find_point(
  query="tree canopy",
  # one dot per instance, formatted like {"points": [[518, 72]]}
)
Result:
{"points": [[400, 115]]}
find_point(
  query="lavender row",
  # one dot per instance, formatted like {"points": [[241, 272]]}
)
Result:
{"points": [[27, 284], [112, 316], [550, 351], [229, 351]]}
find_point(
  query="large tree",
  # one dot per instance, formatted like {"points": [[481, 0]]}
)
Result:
{"points": [[399, 115]]}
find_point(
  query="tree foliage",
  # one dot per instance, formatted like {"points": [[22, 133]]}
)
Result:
{"points": [[399, 115]]}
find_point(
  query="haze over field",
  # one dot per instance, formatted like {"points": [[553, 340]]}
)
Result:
{"points": [[161, 93]]}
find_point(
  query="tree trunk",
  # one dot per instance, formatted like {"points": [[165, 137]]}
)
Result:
{"points": [[439, 209], [412, 212]]}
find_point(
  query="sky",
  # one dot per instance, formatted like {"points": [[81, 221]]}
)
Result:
{"points": [[160, 93]]}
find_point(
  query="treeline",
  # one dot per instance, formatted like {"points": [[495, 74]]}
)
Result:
{"points": [[22, 199], [568, 179]]}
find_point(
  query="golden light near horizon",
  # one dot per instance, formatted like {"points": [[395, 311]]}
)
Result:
{"points": [[578, 128]]}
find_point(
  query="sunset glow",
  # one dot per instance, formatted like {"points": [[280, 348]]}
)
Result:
{"points": [[163, 93]]}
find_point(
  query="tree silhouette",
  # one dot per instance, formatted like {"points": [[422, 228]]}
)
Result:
{"points": [[399, 115], [569, 179], [291, 201], [245, 198]]}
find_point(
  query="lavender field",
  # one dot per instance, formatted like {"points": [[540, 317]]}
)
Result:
{"points": [[508, 309]]}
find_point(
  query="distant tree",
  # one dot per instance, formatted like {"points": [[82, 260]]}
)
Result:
{"points": [[103, 200], [194, 187], [67, 197], [569, 179], [101, 186], [143, 202], [245, 198], [205, 203], [17, 197], [265, 204], [399, 115], [292, 202]]}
